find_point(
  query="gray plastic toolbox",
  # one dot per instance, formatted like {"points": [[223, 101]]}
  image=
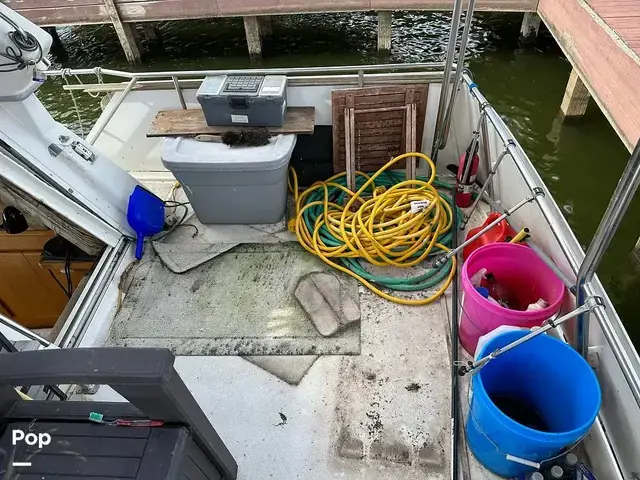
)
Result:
{"points": [[244, 100], [239, 185]]}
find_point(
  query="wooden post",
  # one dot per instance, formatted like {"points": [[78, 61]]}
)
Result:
{"points": [[636, 251], [57, 47], [384, 31], [266, 28], [150, 32], [57, 43], [529, 28], [576, 97], [126, 33], [254, 39]]}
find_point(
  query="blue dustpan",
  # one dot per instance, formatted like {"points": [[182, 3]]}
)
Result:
{"points": [[145, 215]]}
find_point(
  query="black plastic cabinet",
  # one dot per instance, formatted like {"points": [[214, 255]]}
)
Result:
{"points": [[186, 446]]}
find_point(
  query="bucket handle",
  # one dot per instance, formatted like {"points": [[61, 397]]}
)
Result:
{"points": [[514, 458]]}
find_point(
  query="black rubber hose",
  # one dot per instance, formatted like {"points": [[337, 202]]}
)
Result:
{"points": [[455, 400]]}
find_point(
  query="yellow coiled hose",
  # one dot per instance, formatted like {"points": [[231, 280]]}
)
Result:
{"points": [[382, 229]]}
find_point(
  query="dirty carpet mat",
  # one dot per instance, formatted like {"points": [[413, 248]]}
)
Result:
{"points": [[239, 303]]}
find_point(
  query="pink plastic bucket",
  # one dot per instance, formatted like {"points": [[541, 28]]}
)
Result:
{"points": [[518, 268]]}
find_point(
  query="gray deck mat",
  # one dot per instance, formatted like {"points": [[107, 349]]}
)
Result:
{"points": [[194, 243], [239, 303]]}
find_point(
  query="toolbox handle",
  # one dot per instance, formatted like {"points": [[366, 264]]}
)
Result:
{"points": [[238, 102]]}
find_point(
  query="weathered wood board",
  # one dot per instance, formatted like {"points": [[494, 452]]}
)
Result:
{"points": [[75, 12], [177, 123]]}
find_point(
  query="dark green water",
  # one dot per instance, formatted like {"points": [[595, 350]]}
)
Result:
{"points": [[580, 161]]}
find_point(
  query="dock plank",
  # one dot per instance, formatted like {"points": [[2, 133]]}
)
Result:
{"points": [[80, 12], [623, 18], [444, 5], [176, 123]]}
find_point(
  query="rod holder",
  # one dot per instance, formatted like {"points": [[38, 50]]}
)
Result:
{"points": [[536, 191], [486, 183]]}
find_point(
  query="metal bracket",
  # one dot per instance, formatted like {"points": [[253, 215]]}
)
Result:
{"points": [[88, 389], [83, 151], [590, 304], [594, 302], [593, 357]]}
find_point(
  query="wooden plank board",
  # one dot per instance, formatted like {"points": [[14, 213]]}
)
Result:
{"points": [[74, 12], [177, 123], [70, 15], [23, 5], [25, 202], [447, 5]]}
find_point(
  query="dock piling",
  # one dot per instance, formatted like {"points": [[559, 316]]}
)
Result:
{"points": [[254, 37], [56, 45], [529, 29], [151, 32], [384, 31], [126, 33], [266, 27], [576, 97]]}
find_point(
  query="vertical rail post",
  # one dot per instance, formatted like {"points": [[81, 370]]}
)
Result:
{"points": [[458, 76], [451, 53], [618, 205], [106, 116], [486, 152], [176, 85]]}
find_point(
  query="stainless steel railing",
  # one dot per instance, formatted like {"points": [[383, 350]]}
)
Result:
{"points": [[175, 76], [583, 266]]}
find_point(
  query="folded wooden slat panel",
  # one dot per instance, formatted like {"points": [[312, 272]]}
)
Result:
{"points": [[380, 123]]}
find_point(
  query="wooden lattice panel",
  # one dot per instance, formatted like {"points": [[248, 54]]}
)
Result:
{"points": [[379, 136]]}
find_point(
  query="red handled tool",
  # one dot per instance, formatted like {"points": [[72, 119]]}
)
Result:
{"points": [[467, 172]]}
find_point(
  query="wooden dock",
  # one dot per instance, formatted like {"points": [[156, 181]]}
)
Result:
{"points": [[601, 39], [83, 12]]}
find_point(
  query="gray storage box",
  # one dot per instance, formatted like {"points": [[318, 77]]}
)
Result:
{"points": [[232, 185], [244, 100]]}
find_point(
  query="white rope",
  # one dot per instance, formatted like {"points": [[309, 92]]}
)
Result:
{"points": [[65, 75]]}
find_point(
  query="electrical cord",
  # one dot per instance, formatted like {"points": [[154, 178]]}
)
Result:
{"points": [[62, 287], [67, 272], [402, 224], [173, 204], [68, 290], [179, 223], [24, 42]]}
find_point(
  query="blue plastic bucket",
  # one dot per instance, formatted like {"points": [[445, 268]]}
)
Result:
{"points": [[529, 403]]}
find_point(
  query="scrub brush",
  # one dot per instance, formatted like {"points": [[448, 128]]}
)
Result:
{"points": [[255, 137]]}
